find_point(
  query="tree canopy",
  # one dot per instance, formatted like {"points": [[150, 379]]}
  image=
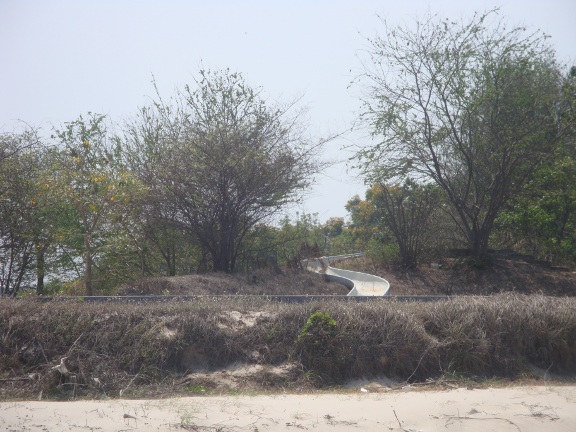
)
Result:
{"points": [[229, 160], [473, 106]]}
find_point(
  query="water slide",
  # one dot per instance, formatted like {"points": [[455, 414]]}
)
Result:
{"points": [[360, 284]]}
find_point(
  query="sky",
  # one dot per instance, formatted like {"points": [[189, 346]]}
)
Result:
{"points": [[63, 58]]}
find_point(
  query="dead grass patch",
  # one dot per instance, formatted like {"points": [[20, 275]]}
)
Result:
{"points": [[133, 349], [258, 282]]}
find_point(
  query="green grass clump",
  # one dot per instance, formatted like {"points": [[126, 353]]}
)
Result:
{"points": [[319, 348]]}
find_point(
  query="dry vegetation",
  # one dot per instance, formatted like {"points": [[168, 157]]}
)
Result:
{"points": [[453, 278], [169, 348], [259, 282], [64, 349]]}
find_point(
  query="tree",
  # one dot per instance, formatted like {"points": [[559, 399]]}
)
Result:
{"points": [[364, 222], [333, 227], [473, 106], [92, 184], [542, 219], [228, 163], [164, 245], [394, 220], [406, 210], [18, 170], [300, 238]]}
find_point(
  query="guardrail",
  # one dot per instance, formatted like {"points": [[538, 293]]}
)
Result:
{"points": [[272, 298]]}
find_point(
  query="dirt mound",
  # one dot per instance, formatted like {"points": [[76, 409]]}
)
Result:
{"points": [[453, 277], [447, 277], [261, 282]]}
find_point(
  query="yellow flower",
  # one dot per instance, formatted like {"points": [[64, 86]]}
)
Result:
{"points": [[86, 143]]}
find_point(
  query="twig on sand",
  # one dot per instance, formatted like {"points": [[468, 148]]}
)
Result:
{"points": [[451, 418], [400, 424], [198, 428], [397, 419], [128, 417]]}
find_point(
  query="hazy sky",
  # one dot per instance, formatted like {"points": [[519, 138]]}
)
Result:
{"points": [[60, 59]]}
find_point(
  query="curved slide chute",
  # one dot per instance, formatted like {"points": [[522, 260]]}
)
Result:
{"points": [[360, 284]]}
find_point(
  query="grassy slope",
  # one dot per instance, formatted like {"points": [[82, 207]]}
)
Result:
{"points": [[503, 276], [147, 349], [137, 350]]}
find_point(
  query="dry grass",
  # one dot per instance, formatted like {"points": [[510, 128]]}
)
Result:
{"points": [[147, 349], [258, 282], [453, 278], [456, 278]]}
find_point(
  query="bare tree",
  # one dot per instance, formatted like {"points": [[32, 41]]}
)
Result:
{"points": [[406, 210], [227, 161]]}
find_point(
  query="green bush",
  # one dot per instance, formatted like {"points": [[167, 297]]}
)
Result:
{"points": [[321, 349], [318, 326]]}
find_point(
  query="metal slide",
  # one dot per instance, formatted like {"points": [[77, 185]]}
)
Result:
{"points": [[360, 284]]}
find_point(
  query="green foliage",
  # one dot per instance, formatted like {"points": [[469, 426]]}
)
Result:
{"points": [[304, 229], [54, 287], [407, 209], [333, 227], [196, 389], [541, 220], [474, 106], [194, 182], [343, 243], [319, 348], [89, 179], [318, 326], [365, 226], [394, 222], [21, 210], [387, 253]]}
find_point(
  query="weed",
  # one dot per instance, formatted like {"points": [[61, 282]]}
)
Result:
{"points": [[197, 389], [319, 348], [319, 326]]}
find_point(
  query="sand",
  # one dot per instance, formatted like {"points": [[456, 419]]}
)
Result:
{"points": [[525, 409]]}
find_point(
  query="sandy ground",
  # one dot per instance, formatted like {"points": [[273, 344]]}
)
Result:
{"points": [[525, 409]]}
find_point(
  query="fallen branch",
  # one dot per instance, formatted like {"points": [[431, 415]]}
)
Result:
{"points": [[74, 344], [129, 384], [397, 419], [26, 378], [482, 418]]}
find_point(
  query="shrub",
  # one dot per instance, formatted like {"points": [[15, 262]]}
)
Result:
{"points": [[319, 348]]}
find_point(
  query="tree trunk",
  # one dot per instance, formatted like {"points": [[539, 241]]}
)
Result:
{"points": [[479, 248], [88, 266], [223, 259], [40, 268], [170, 257]]}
